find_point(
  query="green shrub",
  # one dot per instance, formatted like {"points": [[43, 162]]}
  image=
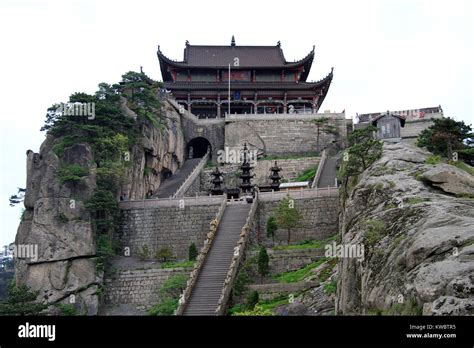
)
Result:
{"points": [[67, 309], [72, 173], [433, 159], [104, 246], [374, 233], [163, 254], [192, 252], [21, 301], [330, 288], [262, 261], [144, 253], [252, 299], [271, 227], [169, 295], [256, 311]]}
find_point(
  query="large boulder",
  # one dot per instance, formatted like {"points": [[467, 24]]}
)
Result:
{"points": [[418, 238], [450, 179]]}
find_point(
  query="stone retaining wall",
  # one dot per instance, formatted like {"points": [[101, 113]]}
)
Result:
{"points": [[171, 227]]}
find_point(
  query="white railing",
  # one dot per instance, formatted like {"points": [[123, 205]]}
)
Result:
{"points": [[200, 258], [186, 184], [319, 170], [299, 194], [151, 203], [236, 258]]}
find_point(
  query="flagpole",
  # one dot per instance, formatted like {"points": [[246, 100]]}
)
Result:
{"points": [[228, 107]]}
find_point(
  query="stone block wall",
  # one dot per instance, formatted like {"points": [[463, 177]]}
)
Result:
{"points": [[320, 220], [279, 135], [138, 286], [291, 169], [171, 227]]}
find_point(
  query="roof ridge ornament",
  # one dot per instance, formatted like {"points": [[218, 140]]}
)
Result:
{"points": [[278, 43], [232, 41]]}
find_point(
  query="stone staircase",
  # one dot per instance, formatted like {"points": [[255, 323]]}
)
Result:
{"points": [[171, 185], [329, 173], [207, 290]]}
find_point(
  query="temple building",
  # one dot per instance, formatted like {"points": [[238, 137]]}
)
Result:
{"points": [[262, 81]]}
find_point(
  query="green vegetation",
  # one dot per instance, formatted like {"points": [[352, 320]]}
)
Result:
{"points": [[21, 301], [67, 309], [192, 252], [144, 253], [327, 270], [374, 233], [252, 299], [111, 134], [433, 159], [271, 227], [410, 307], [169, 295], [292, 156], [414, 200], [323, 126], [256, 311], [447, 135], [180, 264], [300, 274], [287, 216], [262, 261], [72, 173], [330, 288], [306, 244], [362, 152], [164, 254], [463, 166], [245, 276], [307, 174]]}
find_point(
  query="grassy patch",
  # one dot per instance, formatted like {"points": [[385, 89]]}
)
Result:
{"points": [[433, 159], [463, 166], [299, 274], [307, 174], [280, 157], [375, 232], [327, 270], [330, 288], [307, 244], [414, 200], [177, 264], [262, 305]]}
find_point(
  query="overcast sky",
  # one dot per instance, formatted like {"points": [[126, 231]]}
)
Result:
{"points": [[387, 55]]}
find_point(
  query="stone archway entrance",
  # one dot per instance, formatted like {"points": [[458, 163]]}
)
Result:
{"points": [[197, 147]]}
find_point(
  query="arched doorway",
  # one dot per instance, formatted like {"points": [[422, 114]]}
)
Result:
{"points": [[197, 147]]}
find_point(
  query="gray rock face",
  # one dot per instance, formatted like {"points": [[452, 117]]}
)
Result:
{"points": [[56, 221], [57, 224], [159, 151], [418, 239], [450, 179]]}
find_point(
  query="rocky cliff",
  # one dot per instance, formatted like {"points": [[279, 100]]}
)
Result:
{"points": [[57, 221], [415, 223]]}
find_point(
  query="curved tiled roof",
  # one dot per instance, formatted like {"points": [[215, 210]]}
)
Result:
{"points": [[266, 57]]}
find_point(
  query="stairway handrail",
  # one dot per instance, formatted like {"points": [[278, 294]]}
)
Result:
{"points": [[183, 301], [236, 258], [187, 182], [317, 176]]}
